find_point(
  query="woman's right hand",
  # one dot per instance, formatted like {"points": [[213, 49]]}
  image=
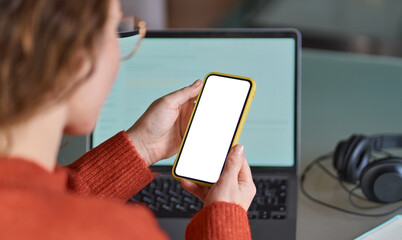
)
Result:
{"points": [[235, 184]]}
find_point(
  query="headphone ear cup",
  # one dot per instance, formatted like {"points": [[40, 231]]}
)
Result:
{"points": [[381, 180], [345, 163], [342, 158], [339, 155], [358, 158]]}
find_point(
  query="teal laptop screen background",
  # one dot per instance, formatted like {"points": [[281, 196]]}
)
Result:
{"points": [[163, 65]]}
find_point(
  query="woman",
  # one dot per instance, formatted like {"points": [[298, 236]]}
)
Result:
{"points": [[58, 61]]}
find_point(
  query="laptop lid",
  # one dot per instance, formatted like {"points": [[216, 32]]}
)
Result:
{"points": [[170, 60]]}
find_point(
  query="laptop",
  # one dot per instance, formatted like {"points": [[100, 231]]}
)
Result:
{"points": [[169, 60]]}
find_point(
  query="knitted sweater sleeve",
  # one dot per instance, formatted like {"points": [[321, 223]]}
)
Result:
{"points": [[113, 170], [220, 220]]}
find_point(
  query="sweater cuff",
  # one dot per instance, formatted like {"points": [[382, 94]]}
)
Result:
{"points": [[219, 220], [113, 170]]}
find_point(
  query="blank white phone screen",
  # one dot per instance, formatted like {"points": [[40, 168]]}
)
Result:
{"points": [[212, 128]]}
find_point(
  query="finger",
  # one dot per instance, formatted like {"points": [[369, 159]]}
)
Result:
{"points": [[245, 180], [193, 100], [234, 163], [189, 105], [181, 96], [196, 190], [187, 108], [245, 172]]}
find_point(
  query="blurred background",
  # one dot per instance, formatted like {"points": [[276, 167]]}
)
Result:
{"points": [[362, 26]]}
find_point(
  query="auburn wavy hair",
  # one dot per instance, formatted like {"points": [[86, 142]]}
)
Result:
{"points": [[43, 45]]}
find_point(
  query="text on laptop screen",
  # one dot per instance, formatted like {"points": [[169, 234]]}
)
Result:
{"points": [[163, 65]]}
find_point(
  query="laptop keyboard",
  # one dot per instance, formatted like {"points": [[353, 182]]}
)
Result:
{"points": [[270, 199], [167, 198]]}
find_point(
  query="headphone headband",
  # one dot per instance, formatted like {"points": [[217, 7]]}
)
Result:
{"points": [[386, 141]]}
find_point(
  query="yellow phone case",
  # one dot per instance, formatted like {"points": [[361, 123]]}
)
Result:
{"points": [[238, 130]]}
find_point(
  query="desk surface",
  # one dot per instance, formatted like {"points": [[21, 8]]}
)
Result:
{"points": [[342, 94]]}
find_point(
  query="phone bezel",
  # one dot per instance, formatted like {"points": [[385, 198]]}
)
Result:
{"points": [[247, 99]]}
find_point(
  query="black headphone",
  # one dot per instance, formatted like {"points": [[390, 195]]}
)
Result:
{"points": [[380, 180]]}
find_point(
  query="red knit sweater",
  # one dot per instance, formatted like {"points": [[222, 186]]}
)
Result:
{"points": [[87, 200]]}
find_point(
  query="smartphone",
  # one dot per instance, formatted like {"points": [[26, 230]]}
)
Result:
{"points": [[214, 127]]}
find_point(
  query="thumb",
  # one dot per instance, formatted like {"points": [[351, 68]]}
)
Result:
{"points": [[234, 162], [181, 96]]}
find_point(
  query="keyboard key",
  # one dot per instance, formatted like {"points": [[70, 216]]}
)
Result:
{"points": [[180, 208], [147, 200], [171, 192], [175, 200], [193, 207], [165, 185], [145, 192], [252, 215], [189, 200], [264, 215], [159, 192], [161, 200], [155, 206], [278, 217], [168, 208]]}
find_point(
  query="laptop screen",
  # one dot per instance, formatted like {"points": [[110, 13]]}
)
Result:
{"points": [[167, 62]]}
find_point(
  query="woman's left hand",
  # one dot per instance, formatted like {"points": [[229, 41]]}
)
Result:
{"points": [[158, 133]]}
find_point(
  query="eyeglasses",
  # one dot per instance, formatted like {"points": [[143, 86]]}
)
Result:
{"points": [[131, 32]]}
